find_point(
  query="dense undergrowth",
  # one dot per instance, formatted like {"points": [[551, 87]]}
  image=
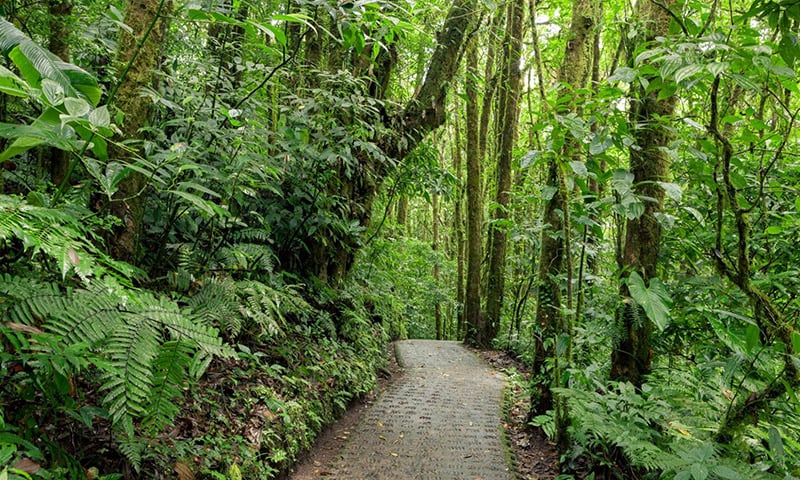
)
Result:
{"points": [[101, 377], [210, 353]]}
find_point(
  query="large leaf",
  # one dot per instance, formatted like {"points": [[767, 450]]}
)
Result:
{"points": [[39, 133], [36, 63], [654, 300]]}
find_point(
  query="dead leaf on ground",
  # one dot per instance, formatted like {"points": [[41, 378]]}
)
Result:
{"points": [[27, 465]]}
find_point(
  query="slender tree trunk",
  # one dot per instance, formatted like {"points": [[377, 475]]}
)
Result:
{"points": [[553, 260], [509, 109], [436, 270], [472, 302], [631, 357], [138, 57], [458, 228], [59, 12]]}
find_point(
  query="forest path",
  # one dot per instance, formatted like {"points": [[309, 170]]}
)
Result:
{"points": [[440, 421]]}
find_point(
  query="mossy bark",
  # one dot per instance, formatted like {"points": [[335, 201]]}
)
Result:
{"points": [[553, 260], [59, 13], [632, 355], [472, 298], [139, 57], [508, 102]]}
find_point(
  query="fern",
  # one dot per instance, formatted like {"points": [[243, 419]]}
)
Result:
{"points": [[216, 303], [57, 233], [261, 308], [144, 340]]}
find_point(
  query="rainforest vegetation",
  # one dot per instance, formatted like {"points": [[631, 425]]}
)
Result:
{"points": [[215, 215]]}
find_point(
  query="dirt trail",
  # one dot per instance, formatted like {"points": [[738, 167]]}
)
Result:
{"points": [[440, 421]]}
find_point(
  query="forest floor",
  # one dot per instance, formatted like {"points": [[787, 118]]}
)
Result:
{"points": [[436, 416]]}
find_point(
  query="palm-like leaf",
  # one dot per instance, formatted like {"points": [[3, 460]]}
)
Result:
{"points": [[36, 63]]}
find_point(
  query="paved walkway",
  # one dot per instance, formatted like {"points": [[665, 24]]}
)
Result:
{"points": [[440, 421]]}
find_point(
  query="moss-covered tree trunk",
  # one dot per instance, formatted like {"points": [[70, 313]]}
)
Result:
{"points": [[458, 231], [472, 297], [59, 12], [508, 113], [631, 357], [553, 259], [138, 59]]}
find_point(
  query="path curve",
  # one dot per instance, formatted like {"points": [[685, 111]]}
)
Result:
{"points": [[440, 421]]}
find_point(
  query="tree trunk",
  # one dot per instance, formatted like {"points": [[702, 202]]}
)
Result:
{"points": [[553, 260], [508, 102], [631, 358], [472, 300], [138, 57], [59, 12], [437, 314], [458, 228]]}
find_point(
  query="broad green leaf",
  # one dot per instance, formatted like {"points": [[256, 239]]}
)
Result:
{"points": [[623, 74], [600, 143], [20, 146], [579, 168], [271, 31], [77, 107], [696, 214], [796, 341], [622, 181], [774, 230], [39, 133], [634, 210], [11, 84], [717, 68], [726, 473], [672, 190], [689, 71], [53, 92], [210, 208], [699, 471], [99, 117], [529, 158], [744, 82], [776, 446], [548, 192], [36, 63], [752, 338], [782, 71], [654, 300]]}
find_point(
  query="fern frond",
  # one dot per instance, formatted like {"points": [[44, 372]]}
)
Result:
{"points": [[59, 234], [261, 307], [169, 369], [132, 350], [216, 303]]}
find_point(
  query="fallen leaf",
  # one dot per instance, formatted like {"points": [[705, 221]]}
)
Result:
{"points": [[183, 470], [27, 465], [394, 454], [19, 327], [73, 257]]}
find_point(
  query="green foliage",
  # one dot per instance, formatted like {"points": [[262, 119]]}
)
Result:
{"points": [[653, 299]]}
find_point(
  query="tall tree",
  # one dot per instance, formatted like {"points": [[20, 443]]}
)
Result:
{"points": [[554, 257], [632, 355], [472, 296], [139, 57], [59, 16], [458, 229], [508, 113]]}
